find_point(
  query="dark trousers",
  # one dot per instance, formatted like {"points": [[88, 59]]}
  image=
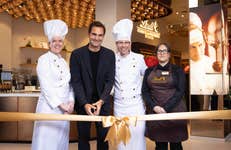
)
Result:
{"points": [[84, 129], [164, 146]]}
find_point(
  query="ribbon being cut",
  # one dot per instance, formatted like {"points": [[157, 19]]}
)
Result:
{"points": [[119, 127]]}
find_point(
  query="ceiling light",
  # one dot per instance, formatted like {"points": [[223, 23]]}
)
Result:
{"points": [[42, 10], [149, 9]]}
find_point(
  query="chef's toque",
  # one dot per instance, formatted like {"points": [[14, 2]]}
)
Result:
{"points": [[54, 28], [122, 30]]}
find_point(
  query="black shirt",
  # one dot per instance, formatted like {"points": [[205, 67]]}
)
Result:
{"points": [[94, 59], [164, 68]]}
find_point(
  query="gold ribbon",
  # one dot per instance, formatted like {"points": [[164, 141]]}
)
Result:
{"points": [[197, 115], [119, 129]]}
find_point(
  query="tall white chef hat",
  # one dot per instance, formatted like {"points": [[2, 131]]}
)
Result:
{"points": [[122, 30], [55, 27], [194, 20], [195, 28]]}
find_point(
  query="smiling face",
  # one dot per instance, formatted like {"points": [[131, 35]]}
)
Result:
{"points": [[96, 36], [197, 45], [56, 44], [124, 47]]}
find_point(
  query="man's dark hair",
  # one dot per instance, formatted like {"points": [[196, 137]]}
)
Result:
{"points": [[97, 24]]}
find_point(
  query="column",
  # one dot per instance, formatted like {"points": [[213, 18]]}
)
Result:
{"points": [[6, 40], [109, 12]]}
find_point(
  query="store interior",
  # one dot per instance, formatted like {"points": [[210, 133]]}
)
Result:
{"points": [[22, 41]]}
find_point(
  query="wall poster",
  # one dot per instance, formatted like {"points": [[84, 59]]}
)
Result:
{"points": [[208, 51]]}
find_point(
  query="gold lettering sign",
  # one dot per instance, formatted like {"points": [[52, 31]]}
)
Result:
{"points": [[150, 30]]}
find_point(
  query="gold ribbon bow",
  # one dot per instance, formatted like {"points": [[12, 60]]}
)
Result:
{"points": [[119, 129]]}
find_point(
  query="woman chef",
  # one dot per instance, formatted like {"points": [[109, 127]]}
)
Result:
{"points": [[56, 94]]}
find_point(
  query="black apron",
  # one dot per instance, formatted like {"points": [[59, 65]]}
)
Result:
{"points": [[162, 89]]}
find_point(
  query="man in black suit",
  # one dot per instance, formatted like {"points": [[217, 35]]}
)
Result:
{"points": [[92, 77]]}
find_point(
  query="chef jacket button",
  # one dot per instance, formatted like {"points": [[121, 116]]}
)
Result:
{"points": [[54, 60], [133, 58], [118, 60], [134, 96], [121, 82], [58, 66], [122, 97], [122, 90], [61, 71], [133, 89], [134, 66], [61, 79], [118, 67]]}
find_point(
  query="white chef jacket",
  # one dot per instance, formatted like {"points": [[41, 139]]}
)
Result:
{"points": [[203, 79], [54, 76], [128, 76], [127, 96]]}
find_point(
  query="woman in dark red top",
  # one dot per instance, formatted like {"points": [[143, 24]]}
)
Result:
{"points": [[163, 90]]}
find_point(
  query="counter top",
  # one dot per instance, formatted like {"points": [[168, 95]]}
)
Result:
{"points": [[21, 94]]}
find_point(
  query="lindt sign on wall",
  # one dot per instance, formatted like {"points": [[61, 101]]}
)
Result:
{"points": [[149, 29]]}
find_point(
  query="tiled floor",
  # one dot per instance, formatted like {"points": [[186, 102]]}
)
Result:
{"points": [[194, 143]]}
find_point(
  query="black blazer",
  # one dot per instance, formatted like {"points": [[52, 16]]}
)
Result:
{"points": [[81, 76]]}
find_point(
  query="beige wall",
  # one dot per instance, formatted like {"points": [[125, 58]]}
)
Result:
{"points": [[15, 33], [108, 7], [5, 40], [81, 37], [109, 12], [22, 32], [123, 9]]}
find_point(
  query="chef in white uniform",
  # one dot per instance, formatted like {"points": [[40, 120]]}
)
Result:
{"points": [[130, 68], [200, 64], [56, 94]]}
